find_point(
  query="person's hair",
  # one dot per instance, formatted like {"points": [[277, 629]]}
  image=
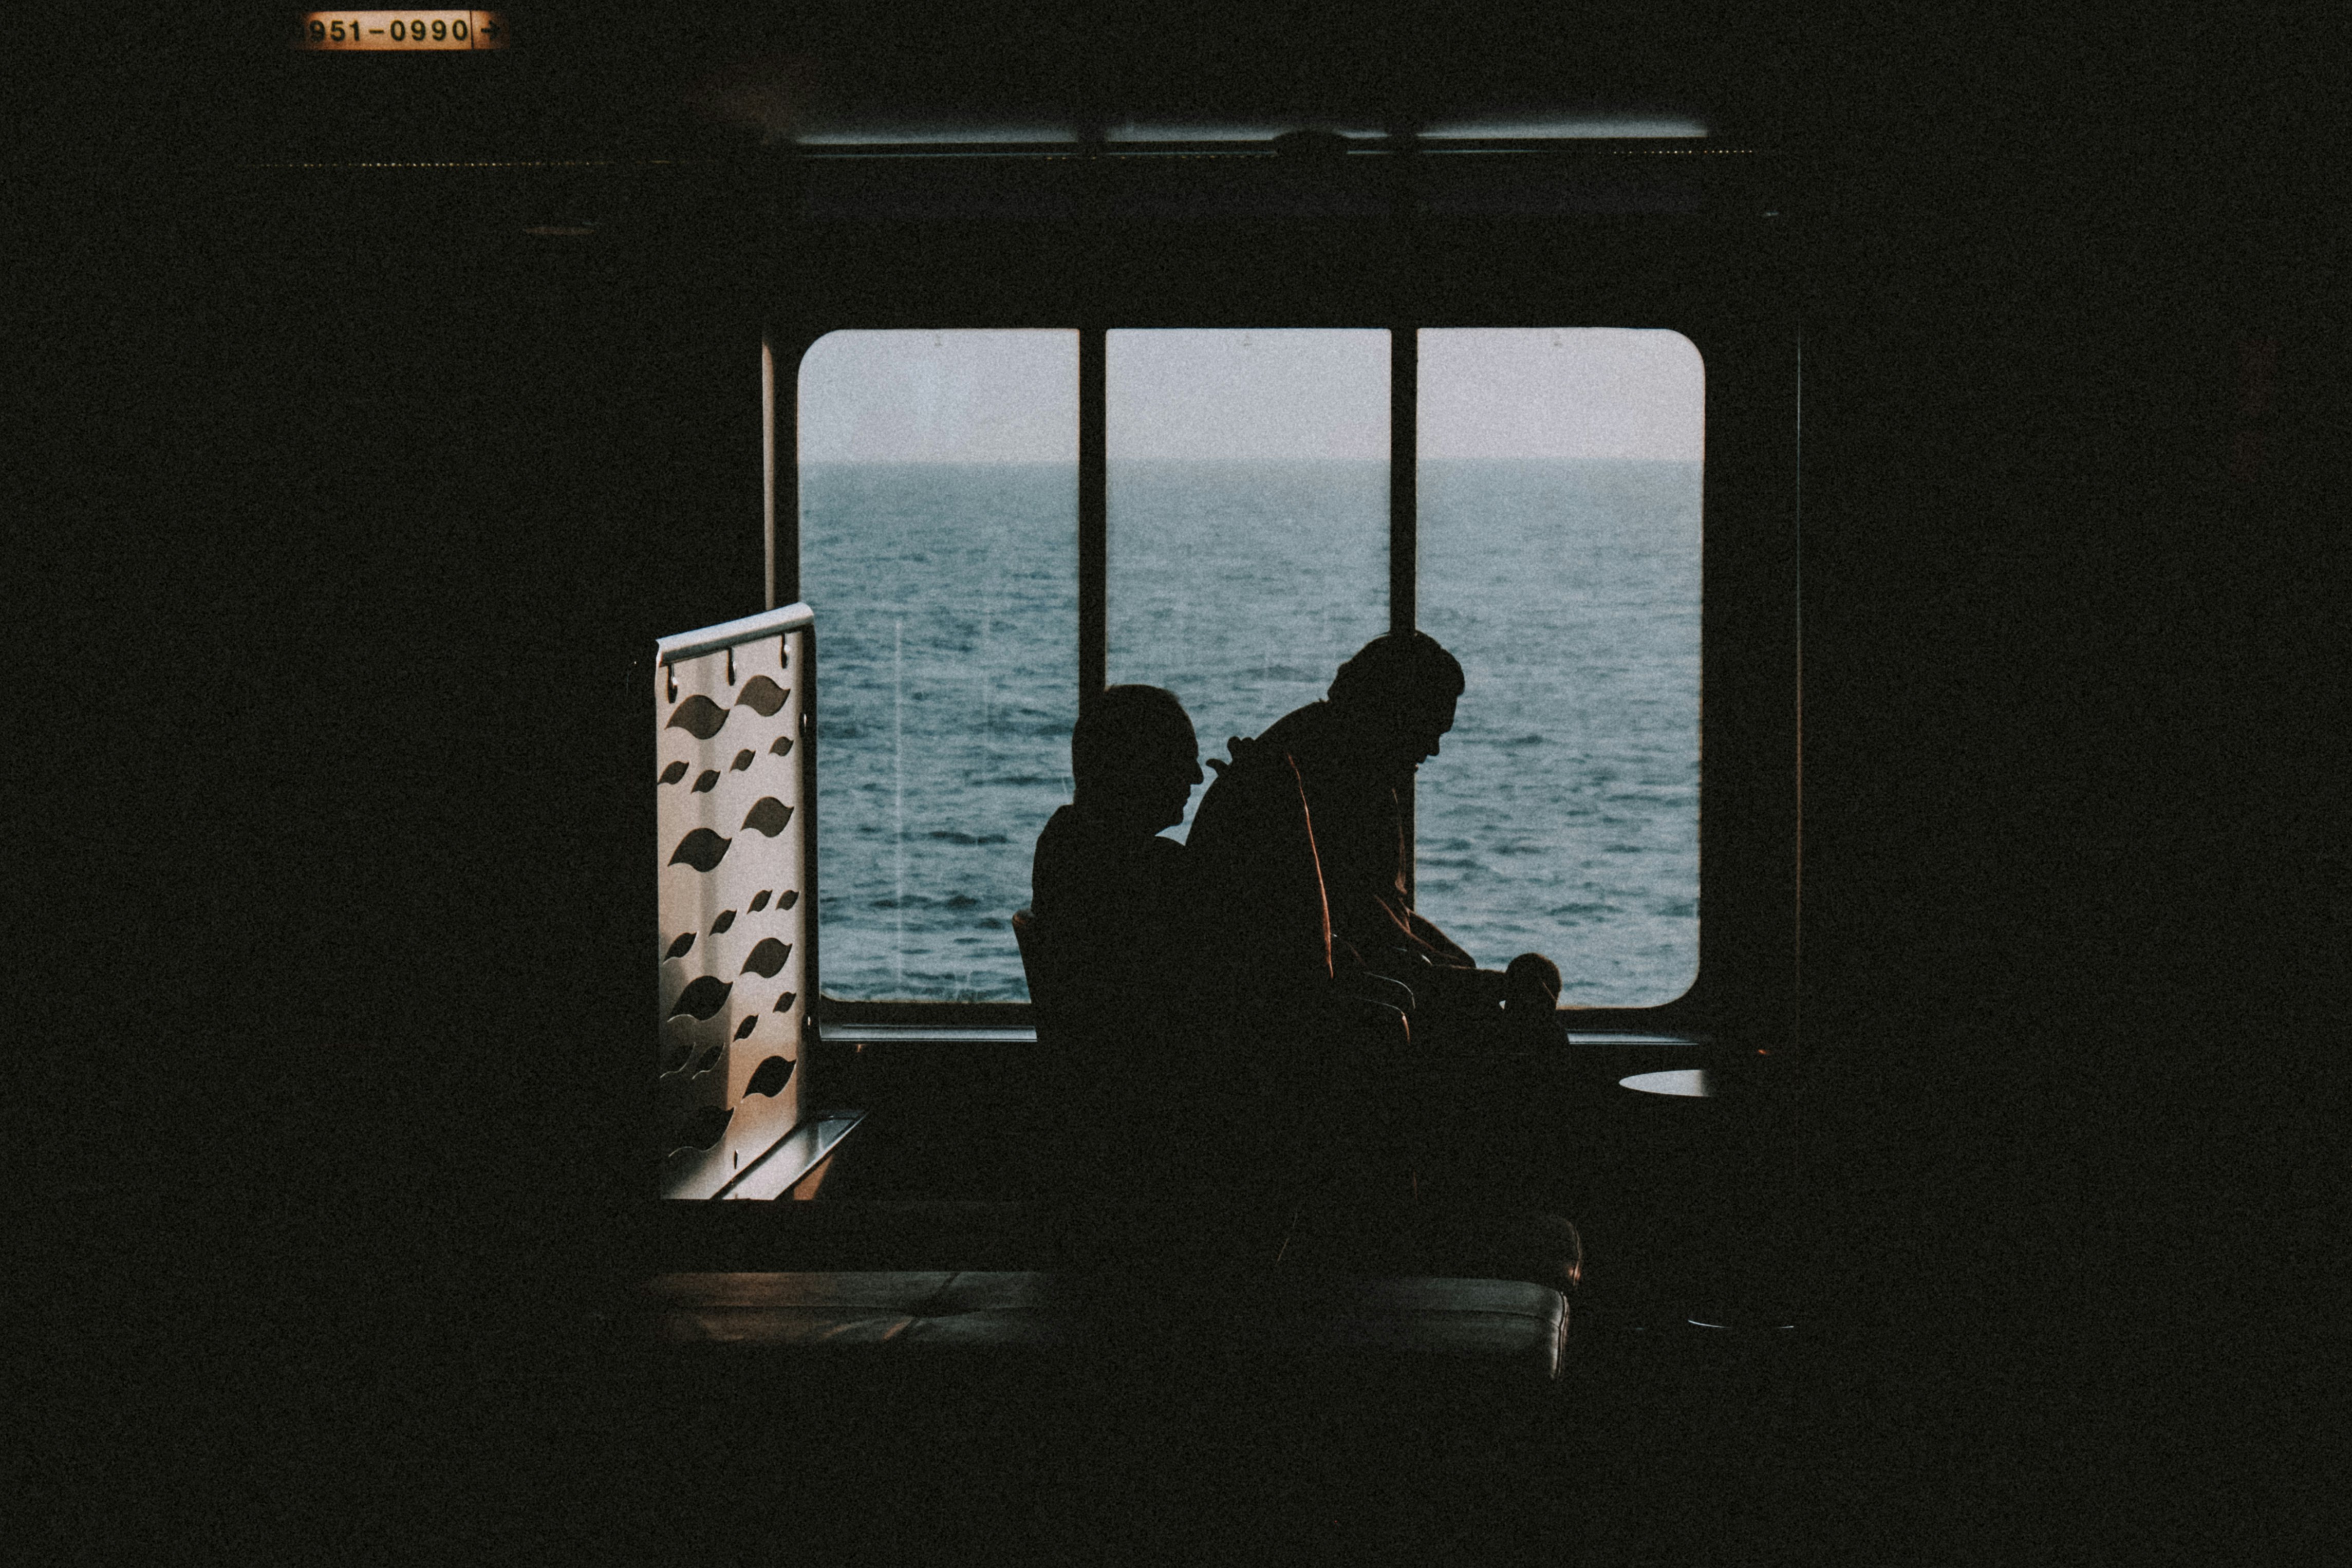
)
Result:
{"points": [[1398, 666], [1119, 724]]}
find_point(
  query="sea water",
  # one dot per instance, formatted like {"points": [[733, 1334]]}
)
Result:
{"points": [[1560, 816]]}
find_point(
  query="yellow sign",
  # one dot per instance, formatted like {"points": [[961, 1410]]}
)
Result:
{"points": [[403, 30]]}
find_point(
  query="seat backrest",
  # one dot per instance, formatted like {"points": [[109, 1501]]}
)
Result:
{"points": [[1262, 872], [1044, 996]]}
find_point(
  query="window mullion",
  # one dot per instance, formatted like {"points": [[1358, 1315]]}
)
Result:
{"points": [[1404, 500], [1094, 514], [1404, 366]]}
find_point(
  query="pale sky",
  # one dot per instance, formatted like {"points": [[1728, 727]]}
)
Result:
{"points": [[1301, 393], [1583, 392], [989, 396], [954, 396]]}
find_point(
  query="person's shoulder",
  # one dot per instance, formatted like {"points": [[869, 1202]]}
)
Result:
{"points": [[1299, 726], [1056, 835], [1075, 847]]}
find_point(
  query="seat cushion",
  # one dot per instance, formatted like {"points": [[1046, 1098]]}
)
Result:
{"points": [[1509, 1327], [921, 1307], [953, 1236]]}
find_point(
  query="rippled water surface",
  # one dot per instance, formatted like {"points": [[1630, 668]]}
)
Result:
{"points": [[1561, 815]]}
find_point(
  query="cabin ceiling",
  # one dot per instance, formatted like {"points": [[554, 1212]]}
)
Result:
{"points": [[692, 77], [1266, 59]]}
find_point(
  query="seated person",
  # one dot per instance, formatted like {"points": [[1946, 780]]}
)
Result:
{"points": [[1182, 1143], [1386, 711], [1341, 763], [1156, 1112], [1118, 905], [1108, 896], [1114, 925]]}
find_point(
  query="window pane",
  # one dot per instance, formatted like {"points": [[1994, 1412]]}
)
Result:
{"points": [[1559, 561], [939, 548], [1248, 516]]}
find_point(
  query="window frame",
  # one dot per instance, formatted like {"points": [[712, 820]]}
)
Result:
{"points": [[1717, 286]]}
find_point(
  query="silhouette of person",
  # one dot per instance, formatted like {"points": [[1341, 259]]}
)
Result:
{"points": [[1177, 1140], [1109, 897], [1342, 764], [1115, 934], [1188, 1135], [1388, 711]]}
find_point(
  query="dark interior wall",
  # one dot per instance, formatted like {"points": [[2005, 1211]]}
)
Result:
{"points": [[362, 516], [2074, 749], [2071, 393], [351, 488]]}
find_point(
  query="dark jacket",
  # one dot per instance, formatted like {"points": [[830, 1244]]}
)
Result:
{"points": [[1245, 826], [1116, 911]]}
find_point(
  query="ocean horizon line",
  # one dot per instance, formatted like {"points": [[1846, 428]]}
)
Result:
{"points": [[1221, 462]]}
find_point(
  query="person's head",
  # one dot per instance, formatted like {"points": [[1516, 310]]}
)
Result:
{"points": [[1134, 757], [1397, 696]]}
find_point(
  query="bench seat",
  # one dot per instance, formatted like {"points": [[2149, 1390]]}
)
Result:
{"points": [[994, 1237], [1509, 1328]]}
